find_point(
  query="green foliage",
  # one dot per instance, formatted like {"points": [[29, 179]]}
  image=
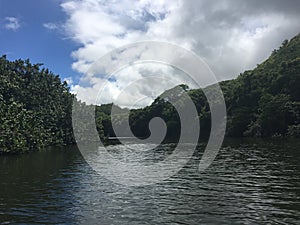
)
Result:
{"points": [[274, 115], [35, 107], [264, 102]]}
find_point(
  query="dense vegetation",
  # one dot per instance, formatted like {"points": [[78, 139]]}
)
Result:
{"points": [[36, 107], [264, 102]]}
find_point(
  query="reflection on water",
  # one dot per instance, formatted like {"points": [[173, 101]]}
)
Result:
{"points": [[248, 183]]}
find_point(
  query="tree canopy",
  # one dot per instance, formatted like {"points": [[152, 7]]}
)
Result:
{"points": [[263, 102], [36, 106]]}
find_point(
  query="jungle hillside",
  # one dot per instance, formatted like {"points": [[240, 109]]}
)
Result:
{"points": [[36, 106]]}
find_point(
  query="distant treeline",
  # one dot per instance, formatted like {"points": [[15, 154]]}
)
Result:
{"points": [[264, 102], [36, 106]]}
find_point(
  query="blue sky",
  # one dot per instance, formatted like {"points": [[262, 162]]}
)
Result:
{"points": [[32, 40], [68, 36]]}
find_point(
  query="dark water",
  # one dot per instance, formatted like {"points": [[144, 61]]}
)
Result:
{"points": [[249, 183]]}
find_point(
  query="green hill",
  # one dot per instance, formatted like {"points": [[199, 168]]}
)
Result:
{"points": [[36, 107], [263, 102]]}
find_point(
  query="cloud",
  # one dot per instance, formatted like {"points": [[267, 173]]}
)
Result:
{"points": [[132, 87], [230, 35], [12, 23], [233, 35], [51, 26]]}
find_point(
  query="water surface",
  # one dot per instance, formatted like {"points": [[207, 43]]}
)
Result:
{"points": [[250, 182]]}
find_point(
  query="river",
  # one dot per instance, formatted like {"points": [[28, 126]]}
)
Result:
{"points": [[250, 182]]}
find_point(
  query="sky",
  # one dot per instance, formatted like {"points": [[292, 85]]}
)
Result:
{"points": [[68, 36]]}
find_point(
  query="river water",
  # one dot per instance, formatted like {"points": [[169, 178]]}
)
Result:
{"points": [[250, 182]]}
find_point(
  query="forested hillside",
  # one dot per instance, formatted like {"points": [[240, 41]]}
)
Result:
{"points": [[264, 102], [36, 107]]}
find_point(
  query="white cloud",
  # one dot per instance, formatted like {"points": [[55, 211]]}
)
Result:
{"points": [[12, 23], [134, 86], [230, 35], [51, 26]]}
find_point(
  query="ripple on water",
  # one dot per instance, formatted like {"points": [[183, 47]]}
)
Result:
{"points": [[247, 183]]}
